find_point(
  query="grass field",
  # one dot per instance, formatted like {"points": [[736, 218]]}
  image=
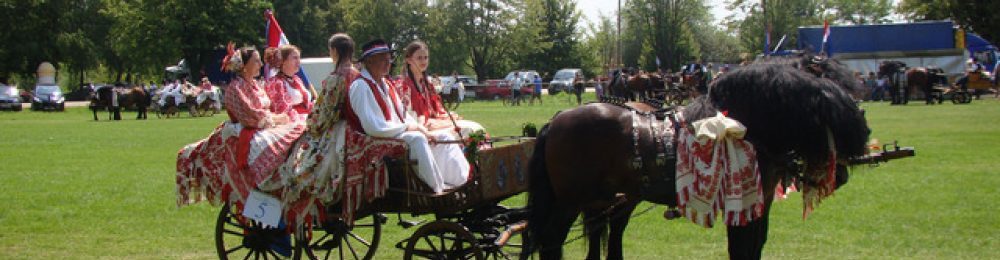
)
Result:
{"points": [[73, 188]]}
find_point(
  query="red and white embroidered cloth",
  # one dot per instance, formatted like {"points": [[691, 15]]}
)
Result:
{"points": [[717, 172], [239, 155], [366, 175]]}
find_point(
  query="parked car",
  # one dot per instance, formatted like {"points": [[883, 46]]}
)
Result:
{"points": [[495, 89], [468, 82], [527, 79], [564, 80], [48, 97], [10, 97], [526, 76]]}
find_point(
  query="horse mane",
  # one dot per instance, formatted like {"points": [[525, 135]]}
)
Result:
{"points": [[787, 109], [829, 68]]}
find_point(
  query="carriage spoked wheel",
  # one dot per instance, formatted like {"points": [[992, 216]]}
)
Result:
{"points": [[335, 239], [961, 97], [239, 238], [443, 240]]}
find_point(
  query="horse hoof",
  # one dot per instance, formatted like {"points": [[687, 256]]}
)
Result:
{"points": [[671, 214]]}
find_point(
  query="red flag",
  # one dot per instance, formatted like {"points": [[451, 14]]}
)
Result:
{"points": [[276, 37], [826, 31]]}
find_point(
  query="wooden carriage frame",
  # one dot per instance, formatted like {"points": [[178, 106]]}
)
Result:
{"points": [[469, 222]]}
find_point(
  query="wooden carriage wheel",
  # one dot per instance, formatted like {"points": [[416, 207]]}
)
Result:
{"points": [[238, 238], [334, 239], [442, 240], [961, 97]]}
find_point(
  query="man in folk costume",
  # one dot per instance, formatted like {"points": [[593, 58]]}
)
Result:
{"points": [[375, 109]]}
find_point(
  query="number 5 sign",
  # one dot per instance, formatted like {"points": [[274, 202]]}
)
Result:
{"points": [[263, 208]]}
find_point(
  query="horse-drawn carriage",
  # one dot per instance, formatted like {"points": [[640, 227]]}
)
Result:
{"points": [[196, 102], [976, 84], [469, 221], [672, 89]]}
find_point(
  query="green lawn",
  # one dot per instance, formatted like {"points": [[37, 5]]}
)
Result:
{"points": [[74, 188]]}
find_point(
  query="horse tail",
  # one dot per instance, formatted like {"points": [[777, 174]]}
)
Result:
{"points": [[540, 193]]}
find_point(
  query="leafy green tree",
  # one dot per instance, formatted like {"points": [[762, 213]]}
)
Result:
{"points": [[398, 22], [599, 48], [717, 45], [30, 37], [559, 35], [84, 29], [449, 48], [923, 10], [496, 35], [978, 16], [662, 29], [860, 11], [309, 23], [784, 17]]}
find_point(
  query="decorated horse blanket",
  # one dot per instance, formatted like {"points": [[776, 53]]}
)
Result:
{"points": [[717, 172]]}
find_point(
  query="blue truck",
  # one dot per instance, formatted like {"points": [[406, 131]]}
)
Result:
{"points": [[862, 47]]}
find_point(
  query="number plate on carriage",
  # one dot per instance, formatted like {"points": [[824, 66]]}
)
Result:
{"points": [[263, 208]]}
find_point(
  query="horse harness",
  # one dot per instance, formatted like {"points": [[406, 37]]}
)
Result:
{"points": [[654, 138]]}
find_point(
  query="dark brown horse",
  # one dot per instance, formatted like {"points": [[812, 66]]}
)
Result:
{"points": [[645, 85], [113, 99], [586, 159], [925, 79], [694, 79]]}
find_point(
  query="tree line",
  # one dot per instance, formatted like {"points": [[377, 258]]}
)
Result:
{"points": [[133, 40]]}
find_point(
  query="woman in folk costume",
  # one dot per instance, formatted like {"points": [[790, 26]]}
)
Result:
{"points": [[312, 174], [376, 109], [420, 98], [286, 90], [242, 153]]}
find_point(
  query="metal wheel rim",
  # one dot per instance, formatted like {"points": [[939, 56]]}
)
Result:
{"points": [[331, 240]]}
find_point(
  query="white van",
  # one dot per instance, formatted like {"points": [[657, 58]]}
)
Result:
{"points": [[317, 69]]}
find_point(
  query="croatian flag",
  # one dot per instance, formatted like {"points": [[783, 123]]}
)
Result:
{"points": [[826, 35], [276, 37]]}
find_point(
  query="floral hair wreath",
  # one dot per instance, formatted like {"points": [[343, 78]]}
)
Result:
{"points": [[233, 62]]}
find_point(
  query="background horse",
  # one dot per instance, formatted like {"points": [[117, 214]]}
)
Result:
{"points": [[895, 71], [695, 81], [925, 79], [113, 99], [645, 85], [207, 107], [584, 159], [618, 85]]}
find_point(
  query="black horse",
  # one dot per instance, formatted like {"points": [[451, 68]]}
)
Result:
{"points": [[799, 118], [895, 72], [618, 84]]}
